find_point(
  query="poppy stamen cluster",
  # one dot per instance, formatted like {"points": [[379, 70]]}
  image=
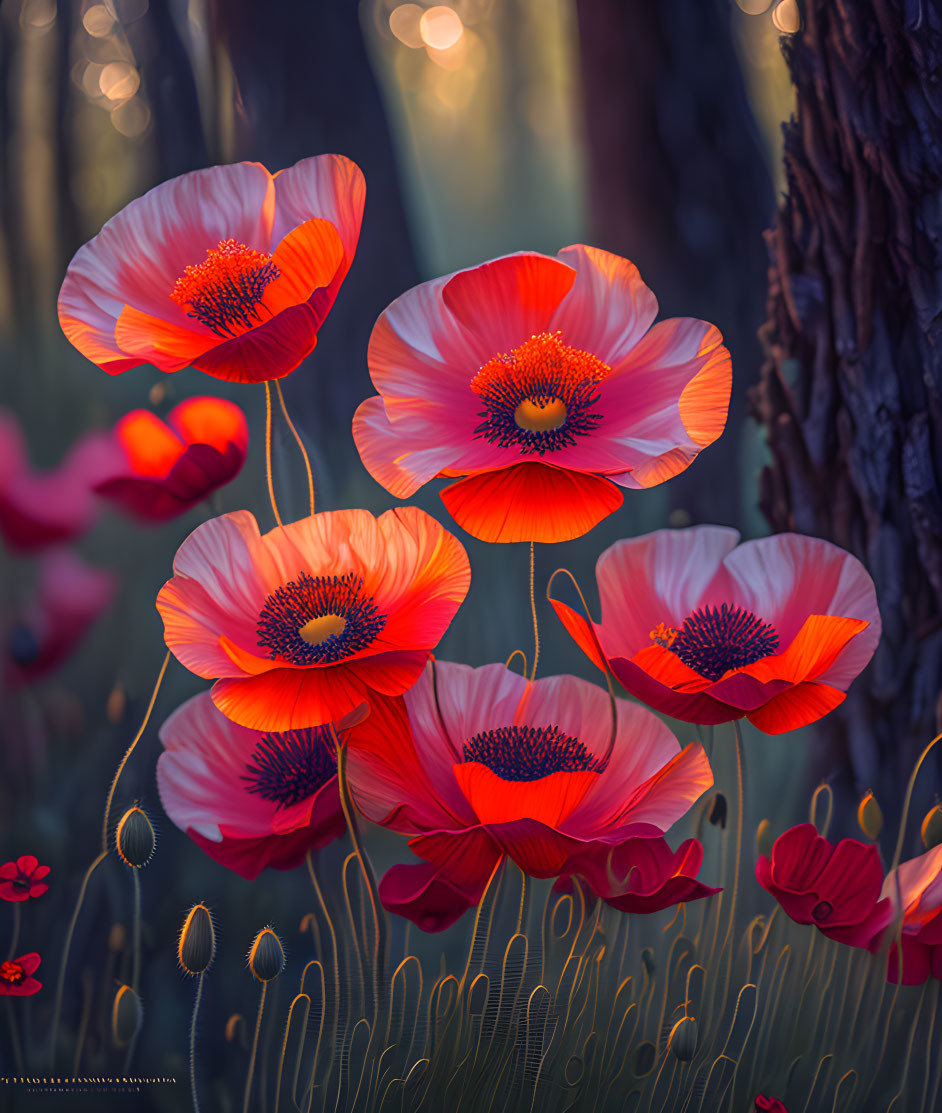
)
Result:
{"points": [[318, 619], [527, 753], [714, 640], [12, 972], [539, 395], [291, 766], [224, 291]]}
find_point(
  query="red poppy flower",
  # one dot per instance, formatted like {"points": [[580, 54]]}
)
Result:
{"points": [[247, 798], [769, 1105], [23, 879], [16, 976], [707, 630], [477, 764], [38, 509], [230, 269], [836, 888], [170, 466], [71, 595], [302, 624], [542, 382], [914, 890]]}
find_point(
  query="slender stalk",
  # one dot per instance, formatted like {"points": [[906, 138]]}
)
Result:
{"points": [[909, 795], [297, 437], [14, 1036], [271, 484], [258, 1028], [136, 954], [129, 751], [60, 984], [196, 1008], [17, 919], [536, 625]]}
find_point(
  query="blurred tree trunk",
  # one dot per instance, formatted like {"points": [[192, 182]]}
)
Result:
{"points": [[851, 391], [305, 87], [678, 183]]}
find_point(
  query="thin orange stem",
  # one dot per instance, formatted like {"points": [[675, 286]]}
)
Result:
{"points": [[297, 437], [271, 484]]}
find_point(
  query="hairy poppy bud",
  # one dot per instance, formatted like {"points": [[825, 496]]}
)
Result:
{"points": [[135, 838], [126, 1015], [869, 816], [267, 956], [764, 839], [931, 829], [683, 1039], [197, 943]]}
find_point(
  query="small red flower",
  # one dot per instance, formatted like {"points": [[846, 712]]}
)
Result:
{"points": [[169, 466], [769, 1105], [481, 764], [914, 889], [836, 888], [707, 630], [22, 879], [16, 976]]}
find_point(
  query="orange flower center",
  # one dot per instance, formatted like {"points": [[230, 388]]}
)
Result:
{"points": [[12, 972], [539, 396], [320, 629], [225, 290], [714, 640]]}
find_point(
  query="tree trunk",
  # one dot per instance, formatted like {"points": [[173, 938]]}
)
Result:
{"points": [[851, 390]]}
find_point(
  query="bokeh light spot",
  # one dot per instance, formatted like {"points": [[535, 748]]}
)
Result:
{"points": [[131, 118], [119, 81], [98, 21], [787, 17], [440, 27], [404, 24]]}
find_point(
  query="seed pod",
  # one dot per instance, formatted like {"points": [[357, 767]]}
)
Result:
{"points": [[126, 1016], [197, 943], [931, 829], [135, 838], [764, 839], [267, 956], [719, 811], [683, 1039], [869, 816]]}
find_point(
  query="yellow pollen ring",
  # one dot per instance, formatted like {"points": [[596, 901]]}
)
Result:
{"points": [[320, 629], [540, 419]]}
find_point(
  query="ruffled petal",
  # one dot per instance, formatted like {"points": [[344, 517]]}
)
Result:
{"points": [[269, 351], [289, 699], [548, 799], [307, 258], [796, 707]]}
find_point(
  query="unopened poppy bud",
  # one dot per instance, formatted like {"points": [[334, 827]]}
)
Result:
{"points": [[718, 811], [764, 840], [267, 956], [126, 1015], [931, 829], [683, 1039], [135, 838], [197, 943], [869, 816]]}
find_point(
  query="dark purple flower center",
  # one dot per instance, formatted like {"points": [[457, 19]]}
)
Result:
{"points": [[224, 291], [22, 882], [525, 753], [316, 620], [289, 767], [539, 396], [713, 640], [821, 911]]}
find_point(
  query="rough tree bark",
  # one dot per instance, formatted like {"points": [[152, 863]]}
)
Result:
{"points": [[851, 390]]}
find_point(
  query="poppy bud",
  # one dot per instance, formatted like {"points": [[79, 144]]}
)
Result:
{"points": [[683, 1039], [718, 811], [931, 829], [126, 1016], [764, 839], [267, 956], [135, 838], [869, 816], [197, 943]]}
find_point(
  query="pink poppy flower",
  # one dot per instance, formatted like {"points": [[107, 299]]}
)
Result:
{"points": [[230, 269], [38, 509], [247, 798], [16, 976], [23, 879], [71, 595], [914, 890], [708, 630], [836, 888], [542, 381], [769, 1105], [301, 625], [500, 766], [170, 466]]}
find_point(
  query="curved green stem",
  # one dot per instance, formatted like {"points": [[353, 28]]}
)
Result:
{"points": [[196, 1009], [258, 1028]]}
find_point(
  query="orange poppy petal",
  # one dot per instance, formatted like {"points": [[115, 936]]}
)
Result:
{"points": [[165, 345], [668, 669], [269, 351], [579, 630], [530, 502], [213, 421], [549, 799], [250, 663], [796, 707], [308, 258], [704, 402], [151, 448], [812, 652], [289, 699]]}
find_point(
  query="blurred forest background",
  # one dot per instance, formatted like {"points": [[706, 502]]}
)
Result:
{"points": [[651, 129]]}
